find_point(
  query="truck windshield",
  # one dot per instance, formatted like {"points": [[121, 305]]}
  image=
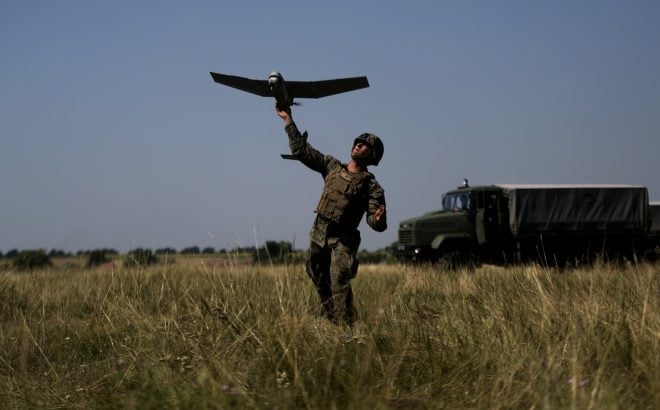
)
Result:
{"points": [[456, 201]]}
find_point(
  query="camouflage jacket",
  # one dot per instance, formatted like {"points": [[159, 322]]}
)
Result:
{"points": [[345, 198]]}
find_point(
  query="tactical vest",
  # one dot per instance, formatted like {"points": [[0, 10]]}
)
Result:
{"points": [[340, 189]]}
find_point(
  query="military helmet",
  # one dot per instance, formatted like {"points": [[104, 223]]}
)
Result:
{"points": [[376, 147]]}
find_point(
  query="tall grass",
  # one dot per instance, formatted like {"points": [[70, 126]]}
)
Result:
{"points": [[191, 335]]}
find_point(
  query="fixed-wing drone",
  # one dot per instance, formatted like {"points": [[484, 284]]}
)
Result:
{"points": [[285, 92]]}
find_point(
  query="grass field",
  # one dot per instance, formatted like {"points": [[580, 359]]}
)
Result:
{"points": [[191, 334]]}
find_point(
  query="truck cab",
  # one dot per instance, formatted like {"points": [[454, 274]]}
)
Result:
{"points": [[469, 218]]}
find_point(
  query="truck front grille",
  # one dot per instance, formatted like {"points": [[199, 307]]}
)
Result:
{"points": [[405, 237]]}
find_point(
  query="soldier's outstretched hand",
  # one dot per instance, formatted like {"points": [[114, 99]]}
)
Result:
{"points": [[284, 114]]}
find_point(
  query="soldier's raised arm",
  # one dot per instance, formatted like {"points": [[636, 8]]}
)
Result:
{"points": [[299, 146]]}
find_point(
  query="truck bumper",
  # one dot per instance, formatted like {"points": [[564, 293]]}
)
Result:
{"points": [[406, 253]]}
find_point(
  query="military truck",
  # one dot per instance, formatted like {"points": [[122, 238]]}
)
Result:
{"points": [[550, 224]]}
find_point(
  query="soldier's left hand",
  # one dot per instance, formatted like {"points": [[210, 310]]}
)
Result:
{"points": [[380, 212]]}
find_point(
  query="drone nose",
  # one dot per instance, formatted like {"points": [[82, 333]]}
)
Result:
{"points": [[274, 79]]}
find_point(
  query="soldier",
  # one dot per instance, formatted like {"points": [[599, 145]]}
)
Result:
{"points": [[349, 191]]}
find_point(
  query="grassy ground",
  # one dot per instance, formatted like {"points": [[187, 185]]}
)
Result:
{"points": [[195, 335]]}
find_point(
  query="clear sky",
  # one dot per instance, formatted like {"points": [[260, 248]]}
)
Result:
{"points": [[112, 133]]}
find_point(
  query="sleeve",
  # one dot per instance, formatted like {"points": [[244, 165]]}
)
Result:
{"points": [[305, 153], [376, 199]]}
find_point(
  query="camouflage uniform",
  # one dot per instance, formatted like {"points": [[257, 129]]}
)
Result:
{"points": [[334, 238]]}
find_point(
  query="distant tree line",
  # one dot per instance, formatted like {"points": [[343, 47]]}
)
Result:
{"points": [[273, 252], [192, 250], [58, 253]]}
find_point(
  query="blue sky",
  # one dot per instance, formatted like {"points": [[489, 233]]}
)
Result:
{"points": [[114, 135]]}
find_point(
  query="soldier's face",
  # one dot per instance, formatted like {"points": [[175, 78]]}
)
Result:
{"points": [[360, 150]]}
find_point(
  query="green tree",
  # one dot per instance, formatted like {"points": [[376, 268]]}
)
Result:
{"points": [[166, 251], [140, 257], [275, 252], [56, 253], [96, 257], [32, 259], [191, 250]]}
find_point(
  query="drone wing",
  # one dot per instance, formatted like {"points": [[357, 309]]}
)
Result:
{"points": [[318, 89], [259, 87]]}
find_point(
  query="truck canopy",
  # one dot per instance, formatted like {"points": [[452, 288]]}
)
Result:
{"points": [[562, 208]]}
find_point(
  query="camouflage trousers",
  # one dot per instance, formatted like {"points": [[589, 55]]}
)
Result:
{"points": [[331, 268]]}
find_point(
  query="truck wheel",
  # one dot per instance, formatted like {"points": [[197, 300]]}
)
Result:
{"points": [[650, 256]]}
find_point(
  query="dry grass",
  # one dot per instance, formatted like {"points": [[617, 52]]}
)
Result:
{"points": [[199, 335]]}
